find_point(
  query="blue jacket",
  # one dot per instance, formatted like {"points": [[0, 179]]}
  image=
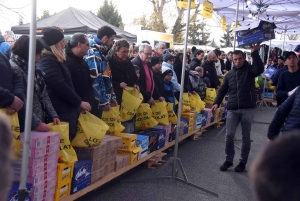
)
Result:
{"points": [[100, 72], [169, 93], [287, 116], [166, 66], [4, 47]]}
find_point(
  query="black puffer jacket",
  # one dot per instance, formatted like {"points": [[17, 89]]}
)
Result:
{"points": [[211, 73], [240, 85], [195, 63]]}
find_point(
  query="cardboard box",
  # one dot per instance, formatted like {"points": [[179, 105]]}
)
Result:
{"points": [[62, 191], [111, 156], [161, 137], [125, 158], [113, 142], [133, 154], [45, 195], [204, 118], [91, 153], [198, 121], [186, 125], [181, 129], [41, 168], [128, 141], [143, 142], [81, 175], [41, 139], [109, 168], [43, 186], [45, 150], [64, 173], [99, 163], [119, 162], [152, 146], [168, 131], [257, 31], [13, 192], [190, 116], [97, 175], [208, 113]]}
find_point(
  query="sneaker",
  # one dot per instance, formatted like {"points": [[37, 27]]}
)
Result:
{"points": [[226, 165], [240, 167]]}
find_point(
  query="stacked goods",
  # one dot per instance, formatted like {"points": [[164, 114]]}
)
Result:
{"points": [[142, 141], [152, 145], [64, 180], [13, 192], [122, 160], [81, 176], [185, 126], [191, 120], [42, 165], [198, 121], [161, 137], [174, 130], [168, 130]]}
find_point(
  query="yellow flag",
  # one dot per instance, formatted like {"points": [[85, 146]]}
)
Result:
{"points": [[207, 10], [185, 3], [233, 25], [224, 23]]}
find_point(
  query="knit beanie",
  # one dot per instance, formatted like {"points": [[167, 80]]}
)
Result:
{"points": [[167, 72], [52, 36], [167, 55], [155, 60]]}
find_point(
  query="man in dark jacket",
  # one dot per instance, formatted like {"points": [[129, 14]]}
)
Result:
{"points": [[76, 48], [198, 59], [240, 85], [156, 63], [210, 70], [228, 63], [11, 87], [147, 86]]}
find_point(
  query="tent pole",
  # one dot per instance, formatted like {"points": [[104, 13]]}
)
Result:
{"points": [[29, 101], [269, 50], [236, 22], [283, 42]]}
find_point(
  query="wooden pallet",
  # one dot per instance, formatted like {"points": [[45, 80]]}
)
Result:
{"points": [[155, 161], [218, 125], [198, 134]]}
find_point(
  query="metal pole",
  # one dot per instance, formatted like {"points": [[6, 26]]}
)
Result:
{"points": [[236, 22], [269, 50], [181, 91], [283, 42], [29, 101]]}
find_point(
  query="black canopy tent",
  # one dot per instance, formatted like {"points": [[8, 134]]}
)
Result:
{"points": [[73, 20]]}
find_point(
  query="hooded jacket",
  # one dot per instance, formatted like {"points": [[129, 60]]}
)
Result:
{"points": [[166, 66], [5, 47]]}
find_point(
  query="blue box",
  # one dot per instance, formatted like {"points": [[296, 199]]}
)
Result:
{"points": [[255, 32], [199, 121], [13, 192], [152, 146], [186, 125], [143, 142], [204, 118], [82, 175], [269, 95], [161, 137]]}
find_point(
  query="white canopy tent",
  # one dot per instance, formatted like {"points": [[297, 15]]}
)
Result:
{"points": [[289, 45]]}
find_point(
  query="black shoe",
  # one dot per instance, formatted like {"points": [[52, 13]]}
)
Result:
{"points": [[226, 165], [240, 167]]}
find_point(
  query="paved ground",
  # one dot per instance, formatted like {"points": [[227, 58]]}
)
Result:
{"points": [[201, 160]]}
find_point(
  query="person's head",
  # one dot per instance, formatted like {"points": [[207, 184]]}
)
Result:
{"points": [[212, 57], [106, 35], [121, 49], [156, 63], [270, 62], [79, 44], [238, 58], [145, 52], [194, 49], [199, 54], [217, 52], [171, 51], [275, 62], [137, 71], [167, 75], [8, 33], [168, 58], [280, 60], [56, 41], [11, 40], [133, 50], [229, 56], [291, 59], [200, 71], [222, 55], [297, 49], [160, 47], [188, 51], [275, 172], [21, 48]]}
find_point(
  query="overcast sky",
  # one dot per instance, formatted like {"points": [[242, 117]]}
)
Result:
{"points": [[129, 9]]}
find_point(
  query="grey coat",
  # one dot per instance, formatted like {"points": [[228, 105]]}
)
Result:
{"points": [[42, 105]]}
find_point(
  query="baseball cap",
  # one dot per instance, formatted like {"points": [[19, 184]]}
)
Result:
{"points": [[289, 54]]}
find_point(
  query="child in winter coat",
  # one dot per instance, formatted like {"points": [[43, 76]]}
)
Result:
{"points": [[204, 83], [168, 86]]}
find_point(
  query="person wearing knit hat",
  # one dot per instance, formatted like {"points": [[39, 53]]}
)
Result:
{"points": [[167, 56], [168, 87], [156, 63], [52, 36], [280, 62]]}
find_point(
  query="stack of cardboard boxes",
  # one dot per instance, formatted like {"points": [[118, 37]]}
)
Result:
{"points": [[64, 180]]}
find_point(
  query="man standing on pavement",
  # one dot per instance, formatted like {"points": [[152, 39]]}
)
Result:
{"points": [[100, 71], [210, 70], [239, 84]]}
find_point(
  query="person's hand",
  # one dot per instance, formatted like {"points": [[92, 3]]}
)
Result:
{"points": [[43, 127], [161, 99], [17, 104], [106, 107], [85, 106], [218, 87], [56, 121], [214, 108], [123, 85], [193, 92], [10, 111], [114, 103], [255, 46], [137, 87], [151, 101]]}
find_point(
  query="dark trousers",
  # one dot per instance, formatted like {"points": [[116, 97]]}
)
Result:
{"points": [[72, 119]]}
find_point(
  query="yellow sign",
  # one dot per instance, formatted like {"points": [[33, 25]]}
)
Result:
{"points": [[185, 3], [207, 10], [233, 25], [224, 23]]}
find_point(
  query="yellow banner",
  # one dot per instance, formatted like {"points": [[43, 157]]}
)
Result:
{"points": [[207, 10], [185, 3], [224, 23]]}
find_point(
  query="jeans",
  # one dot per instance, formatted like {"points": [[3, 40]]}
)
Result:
{"points": [[234, 117]]}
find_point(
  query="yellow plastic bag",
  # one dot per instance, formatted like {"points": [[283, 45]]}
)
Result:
{"points": [[144, 119], [90, 131], [160, 112], [207, 10], [113, 120], [171, 114], [210, 96], [186, 107], [196, 103], [131, 100], [66, 152], [15, 132]]}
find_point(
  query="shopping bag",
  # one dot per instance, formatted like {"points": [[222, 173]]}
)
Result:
{"points": [[171, 114], [90, 131], [15, 132], [66, 152], [160, 112], [113, 120], [210, 96], [131, 100], [144, 119], [196, 103], [186, 107], [207, 10]]}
